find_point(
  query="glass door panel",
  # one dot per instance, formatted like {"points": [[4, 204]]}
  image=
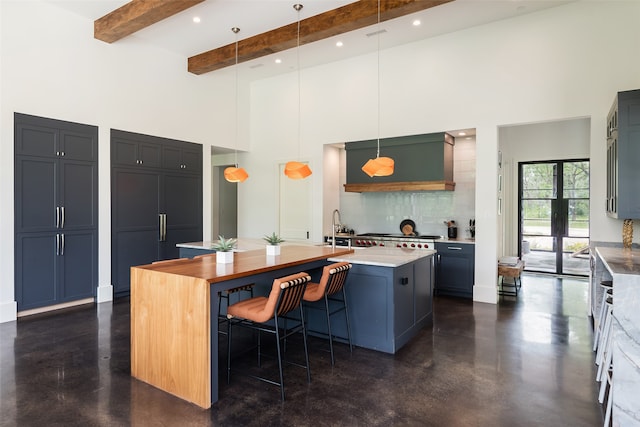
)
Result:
{"points": [[554, 216]]}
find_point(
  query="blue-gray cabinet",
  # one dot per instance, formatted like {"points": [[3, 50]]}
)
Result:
{"points": [[156, 201], [56, 211], [623, 152], [455, 269], [387, 306]]}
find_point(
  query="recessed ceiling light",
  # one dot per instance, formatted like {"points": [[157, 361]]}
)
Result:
{"points": [[416, 23], [278, 61], [339, 44], [196, 19], [462, 133]]}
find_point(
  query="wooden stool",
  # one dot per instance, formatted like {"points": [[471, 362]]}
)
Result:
{"points": [[514, 271]]}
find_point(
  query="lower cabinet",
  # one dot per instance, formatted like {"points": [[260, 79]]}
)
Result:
{"points": [[455, 269], [388, 306]]}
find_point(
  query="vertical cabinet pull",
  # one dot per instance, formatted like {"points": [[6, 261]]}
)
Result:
{"points": [[163, 227], [57, 216], [62, 217], [62, 245], [58, 244]]}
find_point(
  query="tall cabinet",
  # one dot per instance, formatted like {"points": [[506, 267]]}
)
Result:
{"points": [[56, 211], [156, 201], [623, 152]]}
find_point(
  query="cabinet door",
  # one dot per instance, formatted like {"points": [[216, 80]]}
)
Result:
{"points": [[181, 201], [32, 139], [134, 222], [455, 269], [403, 287], [36, 270], [125, 152], [423, 278], [77, 146], [35, 193], [192, 160], [78, 265], [78, 199]]}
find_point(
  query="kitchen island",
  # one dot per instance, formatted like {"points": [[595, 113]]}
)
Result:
{"points": [[174, 314], [390, 296], [622, 266]]}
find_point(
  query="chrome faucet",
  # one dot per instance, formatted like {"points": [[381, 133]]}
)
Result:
{"points": [[333, 227]]}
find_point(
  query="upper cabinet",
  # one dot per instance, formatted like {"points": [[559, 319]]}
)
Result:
{"points": [[623, 153], [422, 163]]}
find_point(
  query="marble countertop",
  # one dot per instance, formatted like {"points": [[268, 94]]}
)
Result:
{"points": [[619, 260], [384, 257]]}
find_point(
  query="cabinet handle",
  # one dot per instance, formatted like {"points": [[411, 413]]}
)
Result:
{"points": [[454, 248], [62, 245], [404, 280], [62, 216], [57, 216], [163, 227], [57, 244]]}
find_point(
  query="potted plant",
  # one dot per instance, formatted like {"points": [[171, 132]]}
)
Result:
{"points": [[224, 249], [273, 246]]}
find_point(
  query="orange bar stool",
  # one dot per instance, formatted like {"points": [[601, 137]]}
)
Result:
{"points": [[257, 313], [334, 276]]}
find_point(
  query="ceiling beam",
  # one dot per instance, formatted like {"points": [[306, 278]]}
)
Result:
{"points": [[136, 15], [347, 18]]}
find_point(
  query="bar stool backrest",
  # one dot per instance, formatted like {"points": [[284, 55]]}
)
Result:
{"points": [[290, 291]]}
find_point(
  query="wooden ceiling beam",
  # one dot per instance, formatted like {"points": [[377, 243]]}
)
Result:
{"points": [[347, 18], [136, 15]]}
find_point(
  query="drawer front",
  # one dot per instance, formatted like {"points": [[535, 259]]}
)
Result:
{"points": [[454, 248]]}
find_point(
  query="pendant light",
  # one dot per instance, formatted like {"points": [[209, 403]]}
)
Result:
{"points": [[295, 169], [234, 173], [380, 166]]}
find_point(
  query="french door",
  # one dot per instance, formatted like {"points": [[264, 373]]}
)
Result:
{"points": [[554, 216]]}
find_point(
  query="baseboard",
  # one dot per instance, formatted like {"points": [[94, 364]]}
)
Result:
{"points": [[8, 311], [104, 293], [488, 294], [55, 307]]}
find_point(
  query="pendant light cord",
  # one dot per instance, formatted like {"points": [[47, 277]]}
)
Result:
{"points": [[378, 65], [236, 30], [298, 7]]}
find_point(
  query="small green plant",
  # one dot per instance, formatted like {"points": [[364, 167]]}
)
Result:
{"points": [[274, 239], [224, 245]]}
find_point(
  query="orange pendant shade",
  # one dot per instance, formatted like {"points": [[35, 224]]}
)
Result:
{"points": [[235, 174], [297, 170], [380, 166]]}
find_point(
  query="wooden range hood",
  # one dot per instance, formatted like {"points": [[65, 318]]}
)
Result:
{"points": [[422, 163]]}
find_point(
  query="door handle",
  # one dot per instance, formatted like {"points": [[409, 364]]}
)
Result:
{"points": [[163, 227], [62, 245], [57, 216], [57, 244], [62, 216]]}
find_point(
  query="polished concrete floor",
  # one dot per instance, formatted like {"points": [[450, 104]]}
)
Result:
{"points": [[524, 362]]}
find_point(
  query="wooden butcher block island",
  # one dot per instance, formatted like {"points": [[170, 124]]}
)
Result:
{"points": [[174, 312]]}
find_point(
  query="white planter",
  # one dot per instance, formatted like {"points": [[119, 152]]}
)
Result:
{"points": [[273, 250], [224, 257]]}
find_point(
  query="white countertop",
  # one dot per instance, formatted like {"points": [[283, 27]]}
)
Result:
{"points": [[384, 257]]}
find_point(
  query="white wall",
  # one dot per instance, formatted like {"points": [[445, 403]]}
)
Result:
{"points": [[52, 67], [545, 66]]}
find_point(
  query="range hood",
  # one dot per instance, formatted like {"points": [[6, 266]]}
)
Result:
{"points": [[422, 163]]}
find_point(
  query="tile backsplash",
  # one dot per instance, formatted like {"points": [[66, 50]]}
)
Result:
{"points": [[383, 212]]}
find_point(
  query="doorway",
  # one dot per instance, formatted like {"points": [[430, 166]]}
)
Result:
{"points": [[553, 216]]}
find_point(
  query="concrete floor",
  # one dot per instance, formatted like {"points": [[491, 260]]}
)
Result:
{"points": [[524, 362]]}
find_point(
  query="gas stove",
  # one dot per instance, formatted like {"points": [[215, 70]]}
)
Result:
{"points": [[423, 241]]}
